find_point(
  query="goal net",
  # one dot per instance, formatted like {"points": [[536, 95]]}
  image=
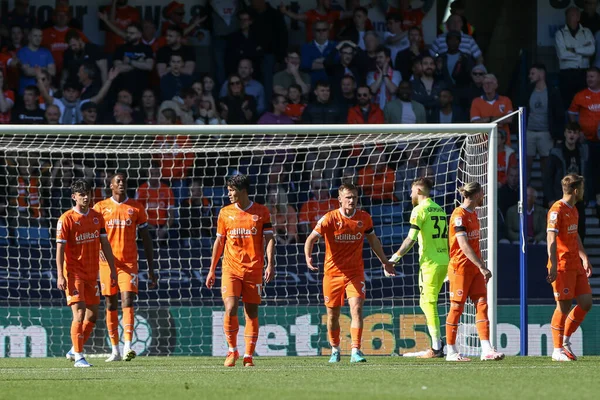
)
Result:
{"points": [[179, 175]]}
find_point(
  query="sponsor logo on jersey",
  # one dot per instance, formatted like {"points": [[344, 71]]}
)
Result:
{"points": [[242, 232], [118, 223], [594, 107], [572, 228], [348, 237], [87, 236]]}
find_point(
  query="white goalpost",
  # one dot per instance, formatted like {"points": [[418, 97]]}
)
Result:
{"points": [[179, 173]]}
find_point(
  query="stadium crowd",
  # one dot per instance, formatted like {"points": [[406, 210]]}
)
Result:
{"points": [[51, 73]]}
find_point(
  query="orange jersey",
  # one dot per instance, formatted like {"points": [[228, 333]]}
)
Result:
{"points": [[157, 202], [243, 230], [124, 16], [174, 162], [499, 107], [121, 223], [377, 185], [294, 111], [563, 219], [313, 16], [586, 104], [463, 223], [313, 210], [5, 60], [54, 40], [81, 235], [344, 239]]}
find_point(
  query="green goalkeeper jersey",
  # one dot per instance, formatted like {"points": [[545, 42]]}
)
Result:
{"points": [[428, 225]]}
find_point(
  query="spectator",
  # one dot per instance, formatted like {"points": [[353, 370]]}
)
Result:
{"points": [[52, 114], [175, 80], [9, 58], [508, 194], [196, 216], [7, 101], [168, 116], [272, 37], [323, 111], [535, 220], [26, 186], [296, 105], [291, 75], [251, 86], [78, 52], [207, 113], [123, 114], [149, 37], [159, 201], [117, 18], [590, 19], [467, 43], [458, 7], [365, 112], [90, 81], [174, 160], [507, 159], [149, 107], [385, 80], [316, 207], [223, 24], [426, 89], [237, 107], [492, 106], [404, 110], [446, 111], [278, 116], [323, 13], [134, 60], [570, 156], [368, 58], [574, 47], [475, 87], [395, 38], [242, 44], [411, 17], [377, 179], [89, 112], [173, 14], [455, 66], [30, 112], [356, 33], [208, 86], [174, 46], [279, 179], [340, 63], [404, 59], [315, 52], [283, 215], [347, 97], [184, 105], [19, 16], [545, 117], [34, 56]]}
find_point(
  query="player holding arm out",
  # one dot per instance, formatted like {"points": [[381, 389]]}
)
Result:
{"points": [[80, 235], [344, 231], [243, 229], [566, 273], [468, 274], [428, 226]]}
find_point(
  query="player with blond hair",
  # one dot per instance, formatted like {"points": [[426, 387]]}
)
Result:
{"points": [[568, 268], [468, 274]]}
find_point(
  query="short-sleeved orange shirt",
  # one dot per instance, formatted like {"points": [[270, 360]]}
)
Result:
{"points": [[344, 240], [463, 223], [586, 104], [313, 210], [499, 107], [157, 202], [313, 16], [81, 235], [121, 223], [377, 185], [243, 230], [563, 219], [174, 162]]}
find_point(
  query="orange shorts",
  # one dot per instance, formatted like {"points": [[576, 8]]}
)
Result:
{"points": [[127, 279], [233, 286], [335, 287], [570, 284], [79, 290], [470, 283]]}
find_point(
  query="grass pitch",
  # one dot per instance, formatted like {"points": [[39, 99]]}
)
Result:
{"points": [[299, 378]]}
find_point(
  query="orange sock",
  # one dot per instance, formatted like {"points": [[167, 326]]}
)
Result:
{"points": [[88, 327], [356, 335], [112, 326], [334, 337], [558, 328], [481, 320], [231, 326], [251, 335], [452, 322], [575, 318], [77, 336], [128, 320]]}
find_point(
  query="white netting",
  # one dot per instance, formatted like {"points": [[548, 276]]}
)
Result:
{"points": [[293, 173]]}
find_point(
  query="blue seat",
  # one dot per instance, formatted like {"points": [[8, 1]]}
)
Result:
{"points": [[33, 236], [4, 241], [387, 214], [216, 195], [392, 234]]}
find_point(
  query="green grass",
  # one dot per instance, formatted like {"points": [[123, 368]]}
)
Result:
{"points": [[300, 377]]}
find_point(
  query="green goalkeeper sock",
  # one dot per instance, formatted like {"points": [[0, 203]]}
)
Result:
{"points": [[433, 323]]}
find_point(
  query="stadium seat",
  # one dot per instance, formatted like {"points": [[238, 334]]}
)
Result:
{"points": [[216, 195], [4, 241], [32, 236], [387, 214], [391, 234]]}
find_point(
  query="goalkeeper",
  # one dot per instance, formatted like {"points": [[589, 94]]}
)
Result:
{"points": [[428, 225]]}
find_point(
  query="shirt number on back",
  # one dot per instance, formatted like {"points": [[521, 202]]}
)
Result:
{"points": [[441, 229]]}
